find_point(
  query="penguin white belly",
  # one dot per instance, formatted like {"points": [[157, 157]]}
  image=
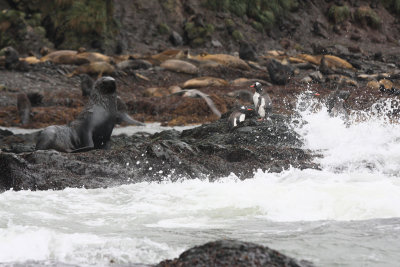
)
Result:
{"points": [[242, 117], [255, 99], [261, 108]]}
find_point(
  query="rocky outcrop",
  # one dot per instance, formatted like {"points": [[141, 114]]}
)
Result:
{"points": [[208, 151], [232, 253]]}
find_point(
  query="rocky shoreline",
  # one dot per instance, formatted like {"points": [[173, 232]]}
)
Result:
{"points": [[328, 47]]}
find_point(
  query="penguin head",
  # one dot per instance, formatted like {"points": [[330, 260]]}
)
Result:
{"points": [[258, 87]]}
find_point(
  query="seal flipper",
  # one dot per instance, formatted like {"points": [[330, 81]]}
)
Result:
{"points": [[123, 117]]}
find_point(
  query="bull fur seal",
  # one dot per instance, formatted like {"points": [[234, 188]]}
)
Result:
{"points": [[262, 101], [93, 126]]}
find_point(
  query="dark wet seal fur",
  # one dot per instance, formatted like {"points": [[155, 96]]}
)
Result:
{"points": [[92, 128]]}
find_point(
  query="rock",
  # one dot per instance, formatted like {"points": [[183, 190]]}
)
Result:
{"points": [[319, 29], [211, 150], [232, 253], [176, 39], [278, 72], [216, 43], [179, 66], [317, 76], [306, 79]]}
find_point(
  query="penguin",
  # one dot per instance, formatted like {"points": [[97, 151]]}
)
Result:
{"points": [[262, 101], [239, 115]]}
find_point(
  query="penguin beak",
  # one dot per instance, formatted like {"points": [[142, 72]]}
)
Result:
{"points": [[249, 109], [252, 86], [317, 94]]}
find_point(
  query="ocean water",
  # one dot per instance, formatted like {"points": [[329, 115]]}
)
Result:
{"points": [[346, 214]]}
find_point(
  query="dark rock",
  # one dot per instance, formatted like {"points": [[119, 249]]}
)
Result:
{"points": [[211, 150], [279, 73], [35, 98], [317, 76], [319, 29], [232, 253], [176, 39]]}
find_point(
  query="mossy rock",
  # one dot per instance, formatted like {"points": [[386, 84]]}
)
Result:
{"points": [[163, 29], [267, 19], [237, 35], [265, 12], [366, 16], [258, 26], [15, 17], [197, 42], [197, 35], [339, 14], [392, 5], [35, 20]]}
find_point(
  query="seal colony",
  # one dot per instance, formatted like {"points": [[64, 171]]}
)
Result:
{"points": [[93, 127]]}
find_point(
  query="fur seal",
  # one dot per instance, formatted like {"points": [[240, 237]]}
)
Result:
{"points": [[262, 101], [24, 108], [204, 82], [93, 126], [86, 84], [179, 66], [94, 68], [239, 115], [11, 60]]}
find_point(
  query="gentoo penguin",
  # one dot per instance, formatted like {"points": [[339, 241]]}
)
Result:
{"points": [[262, 101], [239, 115], [198, 93]]}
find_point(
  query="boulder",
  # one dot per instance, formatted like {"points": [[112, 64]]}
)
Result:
{"points": [[232, 253]]}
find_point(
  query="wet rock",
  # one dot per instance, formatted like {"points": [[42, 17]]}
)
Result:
{"points": [[317, 76], [176, 39], [211, 150], [232, 253]]}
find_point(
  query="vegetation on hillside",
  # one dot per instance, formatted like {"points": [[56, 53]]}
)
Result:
{"points": [[265, 13]]}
